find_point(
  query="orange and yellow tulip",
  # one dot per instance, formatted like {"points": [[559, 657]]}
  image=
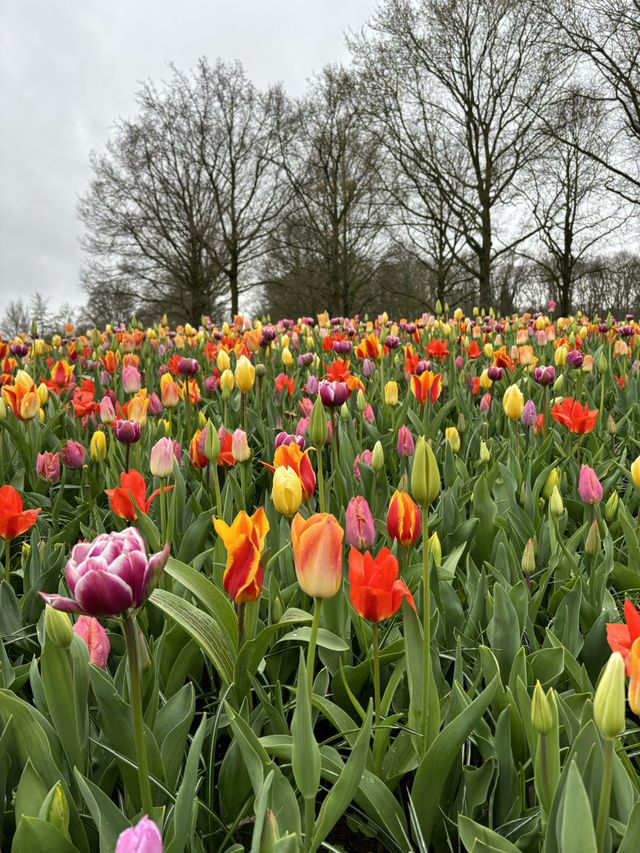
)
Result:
{"points": [[244, 541], [317, 553]]}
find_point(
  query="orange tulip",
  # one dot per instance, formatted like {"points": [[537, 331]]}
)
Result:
{"points": [[403, 518], [22, 397], [132, 485], [244, 541], [634, 681], [290, 456], [317, 553], [426, 385], [62, 373]]}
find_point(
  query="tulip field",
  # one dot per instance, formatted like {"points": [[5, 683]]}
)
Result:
{"points": [[341, 584]]}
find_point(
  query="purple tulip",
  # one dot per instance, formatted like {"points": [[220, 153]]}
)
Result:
{"points": [[574, 358], [73, 454], [406, 445], [155, 404], [342, 347], [459, 362], [48, 466], [529, 413], [128, 432], [392, 341], [360, 530], [305, 359], [495, 373], [109, 575], [144, 837], [188, 366], [589, 486], [211, 384], [367, 367], [332, 393], [311, 386], [286, 438], [544, 375]]}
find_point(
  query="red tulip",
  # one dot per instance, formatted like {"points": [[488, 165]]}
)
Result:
{"points": [[573, 415], [13, 519], [375, 591], [132, 484], [621, 635]]}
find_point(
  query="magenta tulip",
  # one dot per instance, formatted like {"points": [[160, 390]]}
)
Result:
{"points": [[73, 454]]}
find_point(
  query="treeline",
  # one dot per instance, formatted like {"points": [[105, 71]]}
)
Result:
{"points": [[474, 151]]}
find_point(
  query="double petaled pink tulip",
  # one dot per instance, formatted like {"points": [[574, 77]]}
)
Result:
{"points": [[110, 575], [48, 466], [73, 454]]}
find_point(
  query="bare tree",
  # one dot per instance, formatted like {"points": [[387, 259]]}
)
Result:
{"points": [[331, 240], [182, 202], [569, 194], [454, 88], [16, 319]]}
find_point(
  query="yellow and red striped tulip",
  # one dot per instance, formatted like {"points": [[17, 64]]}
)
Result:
{"points": [[244, 541]]}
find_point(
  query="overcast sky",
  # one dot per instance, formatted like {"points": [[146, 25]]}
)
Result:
{"points": [[70, 68]]}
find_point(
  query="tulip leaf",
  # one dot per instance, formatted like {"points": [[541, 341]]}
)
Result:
{"points": [[214, 599], [344, 790], [31, 737], [306, 753], [574, 819], [171, 731], [630, 840], [195, 537], [108, 818], [33, 833], [325, 639], [479, 839], [202, 627], [184, 812], [69, 712]]}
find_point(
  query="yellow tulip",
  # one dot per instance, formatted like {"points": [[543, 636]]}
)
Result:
{"points": [[513, 402]]}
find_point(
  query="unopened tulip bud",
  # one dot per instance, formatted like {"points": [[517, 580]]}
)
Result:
{"points": [[318, 427], [425, 476], [211, 443], [361, 400], [57, 813], [240, 446], [43, 393], [609, 699], [611, 426], [59, 627], [592, 542], [529, 558], [435, 549], [552, 480], [589, 486], [223, 361], [107, 412], [513, 402], [391, 393], [462, 424], [602, 362], [485, 453], [453, 437], [377, 457], [360, 530], [555, 502], [344, 412], [245, 374], [541, 713], [611, 507], [162, 457], [558, 385]]}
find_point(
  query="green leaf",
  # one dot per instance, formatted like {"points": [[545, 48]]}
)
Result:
{"points": [[70, 717], [31, 737], [108, 818], [574, 818], [479, 839], [183, 811], [36, 834], [171, 731], [214, 599], [195, 537], [30, 793], [346, 787], [428, 786], [630, 840], [306, 753], [503, 630], [201, 627], [325, 639]]}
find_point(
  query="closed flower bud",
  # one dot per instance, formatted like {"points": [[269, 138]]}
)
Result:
{"points": [[377, 457], [169, 392], [425, 476], [48, 466], [435, 549], [162, 457], [211, 443], [98, 446], [552, 480], [43, 393], [406, 445], [391, 393], [529, 413], [344, 412], [555, 502], [318, 427], [223, 361], [592, 542], [513, 402], [360, 529], [59, 627], [609, 699], [130, 379], [287, 490], [361, 400], [462, 424], [611, 426], [529, 558], [541, 713], [227, 381], [558, 385], [453, 437], [611, 507], [287, 358], [485, 453], [561, 356], [602, 362], [73, 454], [589, 486], [245, 374], [3, 410], [107, 412]]}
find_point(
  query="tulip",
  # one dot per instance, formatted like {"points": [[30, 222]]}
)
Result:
{"points": [[317, 553], [368, 413], [291, 456], [391, 393], [58, 626], [453, 437], [366, 458], [91, 631], [589, 486], [318, 427], [403, 519], [48, 466], [240, 446], [73, 454], [130, 379], [513, 402], [22, 396], [109, 575], [634, 681], [544, 375], [107, 412], [360, 529], [127, 432], [155, 404], [377, 457], [223, 361], [635, 471], [132, 484], [169, 392], [245, 374], [541, 713], [188, 366], [144, 837], [287, 490], [98, 446], [529, 413], [425, 476], [13, 519], [406, 446], [244, 541], [550, 483], [196, 450], [609, 699], [162, 458], [374, 588], [333, 393]]}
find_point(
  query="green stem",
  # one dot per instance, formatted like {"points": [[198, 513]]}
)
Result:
{"points": [[517, 434], [605, 794], [133, 652], [7, 563], [320, 480], [216, 483], [317, 606], [163, 511], [186, 407], [309, 821], [426, 592], [241, 615], [377, 751], [243, 485]]}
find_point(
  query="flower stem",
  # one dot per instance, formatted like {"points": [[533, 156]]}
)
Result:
{"points": [[7, 563], [426, 592], [241, 614], [605, 794], [377, 753], [320, 481], [317, 607], [133, 652], [163, 511]]}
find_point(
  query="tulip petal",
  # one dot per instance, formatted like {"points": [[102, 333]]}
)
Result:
{"points": [[103, 594], [59, 602]]}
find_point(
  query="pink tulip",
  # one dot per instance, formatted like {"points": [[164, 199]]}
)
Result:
{"points": [[406, 446], [131, 379], [162, 456], [48, 466], [144, 837], [589, 486], [365, 457], [360, 529], [240, 446], [73, 454], [368, 413], [107, 412], [94, 635]]}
